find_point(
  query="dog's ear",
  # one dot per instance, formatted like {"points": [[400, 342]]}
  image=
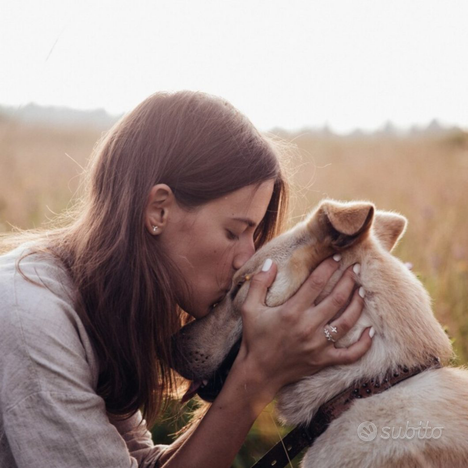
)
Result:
{"points": [[344, 223], [389, 228]]}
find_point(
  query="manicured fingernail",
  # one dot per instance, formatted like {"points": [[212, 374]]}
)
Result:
{"points": [[357, 268], [371, 332], [337, 257], [267, 265], [361, 291]]}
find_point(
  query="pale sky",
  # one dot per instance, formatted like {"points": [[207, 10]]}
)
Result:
{"points": [[297, 63]]}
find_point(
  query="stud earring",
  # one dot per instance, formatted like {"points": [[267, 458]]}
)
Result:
{"points": [[155, 228]]}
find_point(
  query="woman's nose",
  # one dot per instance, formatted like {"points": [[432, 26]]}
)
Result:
{"points": [[242, 257]]}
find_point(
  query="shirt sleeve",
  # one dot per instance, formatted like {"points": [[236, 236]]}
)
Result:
{"points": [[50, 413], [54, 430], [139, 441]]}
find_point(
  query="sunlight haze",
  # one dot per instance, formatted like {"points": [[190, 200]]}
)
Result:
{"points": [[345, 64]]}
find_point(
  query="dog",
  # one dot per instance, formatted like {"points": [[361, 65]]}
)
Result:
{"points": [[422, 421]]}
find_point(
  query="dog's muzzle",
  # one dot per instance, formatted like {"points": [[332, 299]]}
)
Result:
{"points": [[211, 390]]}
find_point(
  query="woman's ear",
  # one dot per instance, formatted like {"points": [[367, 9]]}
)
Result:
{"points": [[159, 205]]}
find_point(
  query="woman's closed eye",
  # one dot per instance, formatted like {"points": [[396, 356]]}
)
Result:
{"points": [[231, 235]]}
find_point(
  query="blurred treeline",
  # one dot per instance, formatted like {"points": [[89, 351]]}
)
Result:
{"points": [[423, 175]]}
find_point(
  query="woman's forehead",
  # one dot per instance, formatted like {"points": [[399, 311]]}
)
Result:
{"points": [[247, 204]]}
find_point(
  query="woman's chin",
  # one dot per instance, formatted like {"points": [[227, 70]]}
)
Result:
{"points": [[198, 312], [202, 311]]}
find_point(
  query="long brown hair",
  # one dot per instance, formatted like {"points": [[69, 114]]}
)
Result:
{"points": [[201, 147]]}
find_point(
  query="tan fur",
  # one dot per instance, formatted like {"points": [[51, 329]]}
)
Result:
{"points": [[399, 309]]}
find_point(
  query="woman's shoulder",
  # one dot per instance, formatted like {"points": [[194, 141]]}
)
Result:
{"points": [[42, 335], [27, 277]]}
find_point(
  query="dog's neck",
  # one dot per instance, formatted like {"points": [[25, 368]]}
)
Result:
{"points": [[298, 403], [407, 335]]}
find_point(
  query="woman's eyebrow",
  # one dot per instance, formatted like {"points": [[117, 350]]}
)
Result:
{"points": [[247, 221]]}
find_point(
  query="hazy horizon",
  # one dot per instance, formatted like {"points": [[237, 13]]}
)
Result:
{"points": [[101, 118]]}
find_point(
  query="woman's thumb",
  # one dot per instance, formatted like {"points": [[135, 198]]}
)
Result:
{"points": [[260, 283]]}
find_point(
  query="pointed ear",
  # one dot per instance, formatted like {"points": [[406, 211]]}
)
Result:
{"points": [[345, 223], [389, 228]]}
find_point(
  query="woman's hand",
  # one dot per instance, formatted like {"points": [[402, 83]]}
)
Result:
{"points": [[280, 345]]}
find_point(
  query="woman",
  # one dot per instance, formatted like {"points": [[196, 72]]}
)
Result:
{"points": [[179, 195]]}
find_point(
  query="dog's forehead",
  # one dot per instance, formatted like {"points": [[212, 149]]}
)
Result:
{"points": [[278, 249], [282, 246]]}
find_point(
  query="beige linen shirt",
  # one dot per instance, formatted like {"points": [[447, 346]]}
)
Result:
{"points": [[50, 414]]}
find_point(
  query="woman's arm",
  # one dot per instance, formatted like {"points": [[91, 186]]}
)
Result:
{"points": [[217, 438], [280, 346]]}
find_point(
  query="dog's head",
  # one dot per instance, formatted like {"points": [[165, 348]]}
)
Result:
{"points": [[356, 230]]}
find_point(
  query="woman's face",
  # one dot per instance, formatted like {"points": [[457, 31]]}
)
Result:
{"points": [[210, 243]]}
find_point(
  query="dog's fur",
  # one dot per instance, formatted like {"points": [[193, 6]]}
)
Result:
{"points": [[407, 334]]}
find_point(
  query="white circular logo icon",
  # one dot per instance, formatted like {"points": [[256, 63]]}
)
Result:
{"points": [[367, 431]]}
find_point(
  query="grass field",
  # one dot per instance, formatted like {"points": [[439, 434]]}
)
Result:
{"points": [[423, 177]]}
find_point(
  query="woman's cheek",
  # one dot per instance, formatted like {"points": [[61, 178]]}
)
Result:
{"points": [[224, 268]]}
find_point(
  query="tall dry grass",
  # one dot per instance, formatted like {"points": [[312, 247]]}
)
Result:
{"points": [[39, 171], [425, 178]]}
